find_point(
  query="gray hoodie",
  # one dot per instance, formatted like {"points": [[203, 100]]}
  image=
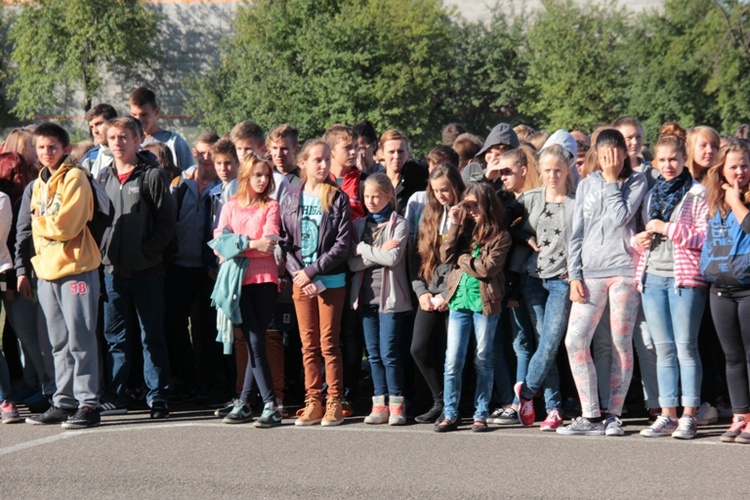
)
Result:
{"points": [[606, 215], [563, 138], [502, 133]]}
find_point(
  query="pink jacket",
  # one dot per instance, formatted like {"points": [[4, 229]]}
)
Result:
{"points": [[254, 222], [687, 234]]}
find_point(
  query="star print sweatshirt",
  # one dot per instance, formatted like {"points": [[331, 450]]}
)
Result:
{"points": [[534, 207]]}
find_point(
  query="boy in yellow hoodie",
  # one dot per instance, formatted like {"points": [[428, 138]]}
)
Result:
{"points": [[66, 261]]}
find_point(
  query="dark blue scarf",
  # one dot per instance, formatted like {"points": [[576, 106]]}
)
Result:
{"points": [[668, 194], [383, 215]]}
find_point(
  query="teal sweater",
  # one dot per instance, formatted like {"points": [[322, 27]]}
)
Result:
{"points": [[228, 287]]}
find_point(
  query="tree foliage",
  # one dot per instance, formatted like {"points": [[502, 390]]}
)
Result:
{"points": [[414, 65], [63, 46], [316, 63], [576, 64], [487, 72]]}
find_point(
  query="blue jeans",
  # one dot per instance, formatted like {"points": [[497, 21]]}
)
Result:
{"points": [[674, 318], [548, 301], [145, 293], [459, 329], [383, 340]]}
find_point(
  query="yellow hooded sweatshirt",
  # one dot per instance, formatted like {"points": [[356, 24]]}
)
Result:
{"points": [[60, 209]]}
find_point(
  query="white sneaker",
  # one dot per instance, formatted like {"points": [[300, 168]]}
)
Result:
{"points": [[706, 414], [613, 426], [685, 428]]}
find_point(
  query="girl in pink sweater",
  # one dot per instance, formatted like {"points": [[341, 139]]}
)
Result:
{"points": [[253, 213]]}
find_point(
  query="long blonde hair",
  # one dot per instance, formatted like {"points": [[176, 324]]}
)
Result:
{"points": [[329, 188], [243, 195], [715, 194]]}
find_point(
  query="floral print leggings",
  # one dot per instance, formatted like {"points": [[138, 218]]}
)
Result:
{"points": [[623, 298]]}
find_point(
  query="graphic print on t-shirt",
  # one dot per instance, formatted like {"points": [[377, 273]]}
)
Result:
{"points": [[310, 227]]}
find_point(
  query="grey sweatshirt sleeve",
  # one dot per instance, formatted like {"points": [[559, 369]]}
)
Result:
{"points": [[24, 241], [575, 265], [622, 203]]}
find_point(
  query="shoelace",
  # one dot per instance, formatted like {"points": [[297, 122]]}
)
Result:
{"points": [[737, 426], [553, 415], [267, 413], [580, 423], [662, 421], [686, 424], [238, 406], [309, 406]]}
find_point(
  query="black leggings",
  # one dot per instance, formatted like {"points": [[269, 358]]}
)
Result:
{"points": [[428, 348], [734, 336], [256, 307]]}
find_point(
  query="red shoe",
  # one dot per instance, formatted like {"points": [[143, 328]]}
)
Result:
{"points": [[526, 414], [348, 408], [553, 421]]}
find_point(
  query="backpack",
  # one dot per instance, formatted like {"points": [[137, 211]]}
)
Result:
{"points": [[725, 256], [104, 212]]}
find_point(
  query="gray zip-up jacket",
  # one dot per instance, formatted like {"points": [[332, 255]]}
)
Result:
{"points": [[606, 216], [395, 290]]}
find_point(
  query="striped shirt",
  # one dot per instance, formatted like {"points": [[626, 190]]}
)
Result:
{"points": [[687, 233]]}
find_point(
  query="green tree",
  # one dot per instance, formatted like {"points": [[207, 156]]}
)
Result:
{"points": [[576, 64], [315, 63], [488, 72], [63, 46], [729, 82], [671, 64]]}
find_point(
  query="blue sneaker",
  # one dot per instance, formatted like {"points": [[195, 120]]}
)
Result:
{"points": [[271, 417], [240, 414]]}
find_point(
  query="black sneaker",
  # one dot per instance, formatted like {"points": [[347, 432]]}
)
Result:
{"points": [[159, 410], [54, 415], [225, 408], [108, 408], [85, 417], [271, 417], [431, 415], [509, 416]]}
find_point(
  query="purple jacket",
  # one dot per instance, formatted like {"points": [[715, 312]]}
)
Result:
{"points": [[334, 238]]}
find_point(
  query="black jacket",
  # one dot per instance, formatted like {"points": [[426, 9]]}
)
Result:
{"points": [[144, 223]]}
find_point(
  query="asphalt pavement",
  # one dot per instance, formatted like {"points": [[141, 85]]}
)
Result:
{"points": [[193, 455]]}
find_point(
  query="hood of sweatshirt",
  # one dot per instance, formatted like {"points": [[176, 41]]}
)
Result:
{"points": [[502, 133], [563, 138]]}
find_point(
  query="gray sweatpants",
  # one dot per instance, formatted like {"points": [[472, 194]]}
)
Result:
{"points": [[70, 306]]}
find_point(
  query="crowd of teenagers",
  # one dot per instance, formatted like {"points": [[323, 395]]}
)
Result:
{"points": [[139, 267]]}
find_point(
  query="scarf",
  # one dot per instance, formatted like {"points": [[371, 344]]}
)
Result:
{"points": [[668, 194], [383, 215]]}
